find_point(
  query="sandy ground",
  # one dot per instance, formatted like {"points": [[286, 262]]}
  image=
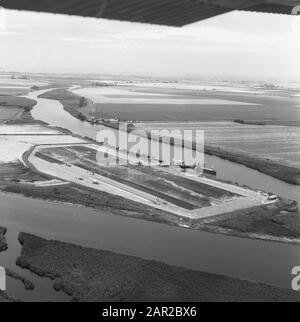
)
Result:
{"points": [[15, 140], [12, 148], [11, 151], [49, 183], [30, 129], [43, 139]]}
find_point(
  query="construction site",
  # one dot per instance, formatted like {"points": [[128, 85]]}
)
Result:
{"points": [[182, 193]]}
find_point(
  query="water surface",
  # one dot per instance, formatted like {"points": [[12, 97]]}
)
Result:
{"points": [[242, 258]]}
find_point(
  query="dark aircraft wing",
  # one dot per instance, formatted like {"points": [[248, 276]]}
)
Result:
{"points": [[163, 12]]}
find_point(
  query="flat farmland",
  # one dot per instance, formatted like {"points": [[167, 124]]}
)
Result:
{"points": [[15, 101], [12, 107], [177, 190], [19, 82], [13, 90], [280, 143], [122, 96], [18, 86], [168, 105], [9, 113]]}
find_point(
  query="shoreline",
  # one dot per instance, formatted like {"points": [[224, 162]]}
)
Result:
{"points": [[111, 228], [72, 276], [201, 228], [254, 236], [275, 169]]}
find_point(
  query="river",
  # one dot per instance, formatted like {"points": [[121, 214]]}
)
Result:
{"points": [[52, 112], [260, 261], [243, 258]]}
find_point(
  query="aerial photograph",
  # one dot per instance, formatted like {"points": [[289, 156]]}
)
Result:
{"points": [[149, 153]]}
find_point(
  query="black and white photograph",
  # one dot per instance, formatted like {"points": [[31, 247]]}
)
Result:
{"points": [[149, 154]]}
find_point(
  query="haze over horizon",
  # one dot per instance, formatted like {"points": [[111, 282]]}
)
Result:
{"points": [[239, 45]]}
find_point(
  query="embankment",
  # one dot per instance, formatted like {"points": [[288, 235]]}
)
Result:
{"points": [[272, 168]]}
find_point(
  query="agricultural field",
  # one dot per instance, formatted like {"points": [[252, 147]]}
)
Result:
{"points": [[17, 85], [12, 107], [18, 82], [13, 90], [9, 113], [168, 104], [280, 143], [124, 96], [16, 101]]}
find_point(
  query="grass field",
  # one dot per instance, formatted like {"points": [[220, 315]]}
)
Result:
{"points": [[265, 108], [12, 107], [13, 90], [167, 105], [21, 83], [280, 143], [124, 96], [9, 113], [15, 171], [16, 101], [265, 222]]}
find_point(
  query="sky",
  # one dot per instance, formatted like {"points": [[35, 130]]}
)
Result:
{"points": [[239, 45]]}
